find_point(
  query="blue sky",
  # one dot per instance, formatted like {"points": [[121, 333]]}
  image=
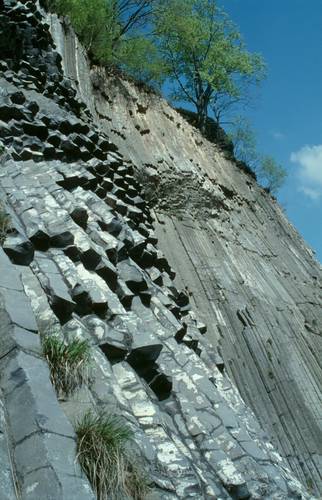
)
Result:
{"points": [[287, 115]]}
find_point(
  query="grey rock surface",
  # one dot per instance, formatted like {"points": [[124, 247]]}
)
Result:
{"points": [[248, 273], [83, 262], [37, 442]]}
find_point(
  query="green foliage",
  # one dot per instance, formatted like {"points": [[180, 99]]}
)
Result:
{"points": [[192, 43], [93, 22], [310, 485], [271, 174], [4, 225], [102, 453], [206, 58], [244, 141], [69, 364], [140, 58], [115, 33]]}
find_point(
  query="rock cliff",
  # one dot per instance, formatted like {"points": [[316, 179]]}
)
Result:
{"points": [[94, 172]]}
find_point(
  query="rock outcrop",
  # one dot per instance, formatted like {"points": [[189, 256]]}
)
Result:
{"points": [[250, 276], [81, 259]]}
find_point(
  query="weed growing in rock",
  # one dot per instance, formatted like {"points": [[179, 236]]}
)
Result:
{"points": [[69, 364], [137, 482], [4, 225], [102, 454]]}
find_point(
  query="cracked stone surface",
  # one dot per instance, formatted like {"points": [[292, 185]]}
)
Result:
{"points": [[80, 259], [250, 276]]}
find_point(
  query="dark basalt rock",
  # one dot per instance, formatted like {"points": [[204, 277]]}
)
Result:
{"points": [[107, 271], [239, 492], [33, 107], [132, 277], [114, 353], [54, 139], [142, 357], [82, 299], [143, 361], [48, 151], [35, 129], [147, 258], [73, 253], [97, 275], [62, 240], [39, 239], [5, 130], [69, 148], [114, 227], [8, 112], [17, 97], [124, 294], [161, 385], [80, 216], [90, 259], [182, 300], [62, 307], [146, 297], [19, 249]]}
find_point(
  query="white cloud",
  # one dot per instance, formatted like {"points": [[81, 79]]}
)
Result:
{"points": [[309, 161], [279, 136], [312, 193]]}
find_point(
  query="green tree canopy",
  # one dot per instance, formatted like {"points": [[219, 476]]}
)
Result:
{"points": [[193, 44], [271, 174], [116, 33], [243, 138], [206, 58]]}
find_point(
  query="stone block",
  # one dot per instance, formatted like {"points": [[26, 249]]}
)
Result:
{"points": [[19, 249]]}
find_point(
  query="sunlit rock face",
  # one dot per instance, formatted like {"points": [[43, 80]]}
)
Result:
{"points": [[94, 172]]}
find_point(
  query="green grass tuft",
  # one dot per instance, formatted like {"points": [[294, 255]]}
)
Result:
{"points": [[102, 454], [4, 225], [137, 483], [69, 364]]}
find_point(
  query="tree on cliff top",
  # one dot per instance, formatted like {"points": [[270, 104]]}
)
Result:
{"points": [[270, 174], [115, 33], [207, 61], [244, 141]]}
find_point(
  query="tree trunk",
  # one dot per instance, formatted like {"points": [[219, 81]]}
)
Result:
{"points": [[202, 115]]}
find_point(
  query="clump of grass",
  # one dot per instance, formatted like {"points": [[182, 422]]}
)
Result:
{"points": [[102, 454], [137, 482], [4, 225], [69, 364]]}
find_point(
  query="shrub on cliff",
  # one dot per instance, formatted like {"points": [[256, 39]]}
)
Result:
{"points": [[68, 363], [92, 21], [190, 43], [4, 224], [102, 454], [271, 174], [244, 140], [116, 33]]}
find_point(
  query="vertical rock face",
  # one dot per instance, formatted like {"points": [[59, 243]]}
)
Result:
{"points": [[81, 259], [248, 273]]}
